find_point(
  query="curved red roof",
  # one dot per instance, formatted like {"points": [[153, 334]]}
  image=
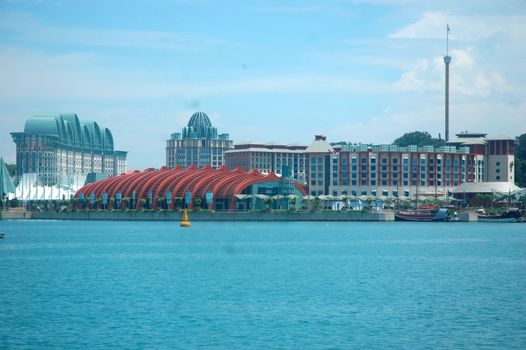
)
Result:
{"points": [[223, 183]]}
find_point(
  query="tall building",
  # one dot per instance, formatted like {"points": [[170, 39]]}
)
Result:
{"points": [[198, 144], [268, 158], [60, 150]]}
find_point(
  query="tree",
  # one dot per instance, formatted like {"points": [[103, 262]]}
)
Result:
{"points": [[520, 161], [418, 138], [11, 168]]}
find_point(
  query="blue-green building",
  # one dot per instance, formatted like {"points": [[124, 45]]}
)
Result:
{"points": [[198, 144], [55, 148]]}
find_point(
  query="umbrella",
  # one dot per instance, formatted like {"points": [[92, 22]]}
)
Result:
{"points": [[323, 197], [363, 197], [309, 197], [261, 196], [278, 196], [240, 196], [382, 198], [292, 196]]}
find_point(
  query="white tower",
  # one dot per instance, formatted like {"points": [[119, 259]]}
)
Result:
{"points": [[447, 61]]}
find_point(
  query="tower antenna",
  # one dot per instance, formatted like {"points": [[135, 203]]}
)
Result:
{"points": [[447, 61]]}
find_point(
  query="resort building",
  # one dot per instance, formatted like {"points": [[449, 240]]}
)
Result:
{"points": [[198, 144], [55, 154], [386, 170], [268, 158], [192, 187], [494, 156]]}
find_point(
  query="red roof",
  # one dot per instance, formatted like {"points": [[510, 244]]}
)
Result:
{"points": [[223, 183]]}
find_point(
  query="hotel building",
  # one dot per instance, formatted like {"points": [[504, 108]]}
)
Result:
{"points": [[385, 170], [198, 144], [55, 146], [268, 158]]}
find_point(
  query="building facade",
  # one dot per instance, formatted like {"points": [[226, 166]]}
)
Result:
{"points": [[386, 170], [53, 146], [198, 144], [493, 156], [268, 158]]}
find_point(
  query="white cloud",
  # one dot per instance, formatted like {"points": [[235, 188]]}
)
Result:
{"points": [[432, 25]]}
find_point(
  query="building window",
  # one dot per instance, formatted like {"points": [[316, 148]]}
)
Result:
{"points": [[498, 177], [497, 164]]}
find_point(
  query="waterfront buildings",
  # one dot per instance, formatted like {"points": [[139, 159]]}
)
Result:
{"points": [[493, 156], [191, 187], [55, 154], [385, 170], [268, 158], [198, 144]]}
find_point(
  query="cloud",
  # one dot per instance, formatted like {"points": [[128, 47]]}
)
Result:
{"points": [[432, 25]]}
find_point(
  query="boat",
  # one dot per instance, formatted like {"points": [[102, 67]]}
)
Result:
{"points": [[2, 235], [423, 214], [510, 215]]}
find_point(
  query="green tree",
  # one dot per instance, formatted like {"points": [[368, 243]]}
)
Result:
{"points": [[11, 168], [418, 138], [520, 161]]}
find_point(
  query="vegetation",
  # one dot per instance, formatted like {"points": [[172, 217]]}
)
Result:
{"points": [[11, 168], [418, 138], [520, 161]]}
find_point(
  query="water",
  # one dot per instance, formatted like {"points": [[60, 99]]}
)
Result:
{"points": [[136, 285]]}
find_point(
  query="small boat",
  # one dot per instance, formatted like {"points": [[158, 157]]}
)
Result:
{"points": [[510, 215], [2, 235], [436, 214]]}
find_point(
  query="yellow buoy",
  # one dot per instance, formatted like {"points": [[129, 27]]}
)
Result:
{"points": [[185, 222]]}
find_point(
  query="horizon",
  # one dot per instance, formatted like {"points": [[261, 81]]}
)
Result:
{"points": [[353, 70]]}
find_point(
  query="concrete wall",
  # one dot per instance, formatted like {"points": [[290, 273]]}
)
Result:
{"points": [[223, 216]]}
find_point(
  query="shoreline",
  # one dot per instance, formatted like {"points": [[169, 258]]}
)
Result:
{"points": [[384, 216], [196, 216]]}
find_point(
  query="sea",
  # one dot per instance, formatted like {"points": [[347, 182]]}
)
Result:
{"points": [[262, 285]]}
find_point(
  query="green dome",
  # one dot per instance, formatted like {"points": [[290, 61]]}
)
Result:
{"points": [[199, 120]]}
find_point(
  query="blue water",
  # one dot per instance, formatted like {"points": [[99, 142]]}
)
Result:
{"points": [[137, 285]]}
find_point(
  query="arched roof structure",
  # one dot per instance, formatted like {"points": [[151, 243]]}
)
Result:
{"points": [[223, 183], [70, 131]]}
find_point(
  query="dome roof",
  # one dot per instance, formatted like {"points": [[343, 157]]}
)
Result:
{"points": [[199, 120]]}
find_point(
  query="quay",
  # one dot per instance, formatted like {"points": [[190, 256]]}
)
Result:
{"points": [[137, 215]]}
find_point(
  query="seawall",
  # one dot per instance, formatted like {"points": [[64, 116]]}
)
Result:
{"points": [[198, 216]]}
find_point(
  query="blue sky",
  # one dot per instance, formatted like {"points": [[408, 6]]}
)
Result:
{"points": [[354, 70]]}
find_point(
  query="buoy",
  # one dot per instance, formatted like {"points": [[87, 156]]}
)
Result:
{"points": [[185, 222]]}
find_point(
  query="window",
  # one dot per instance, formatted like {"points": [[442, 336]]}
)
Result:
{"points": [[353, 182], [373, 193], [384, 160], [364, 183], [498, 177], [497, 171], [364, 160], [497, 164], [395, 160], [373, 182], [385, 193], [373, 160]]}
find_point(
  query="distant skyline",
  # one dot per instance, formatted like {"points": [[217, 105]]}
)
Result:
{"points": [[281, 71]]}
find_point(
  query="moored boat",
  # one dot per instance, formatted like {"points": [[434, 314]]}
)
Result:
{"points": [[510, 215], [422, 215]]}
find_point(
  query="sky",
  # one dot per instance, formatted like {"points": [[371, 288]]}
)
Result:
{"points": [[263, 70]]}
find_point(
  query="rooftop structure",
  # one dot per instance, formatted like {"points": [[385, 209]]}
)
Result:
{"points": [[57, 152], [197, 144]]}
